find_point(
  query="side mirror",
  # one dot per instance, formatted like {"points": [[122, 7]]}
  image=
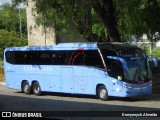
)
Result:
{"points": [[153, 62]]}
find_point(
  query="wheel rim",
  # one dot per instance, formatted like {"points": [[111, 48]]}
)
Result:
{"points": [[103, 93], [36, 89], [26, 88]]}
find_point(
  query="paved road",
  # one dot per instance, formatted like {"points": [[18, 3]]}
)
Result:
{"points": [[12, 100]]}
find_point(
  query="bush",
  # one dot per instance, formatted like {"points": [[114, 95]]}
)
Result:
{"points": [[145, 49], [10, 39], [156, 53]]}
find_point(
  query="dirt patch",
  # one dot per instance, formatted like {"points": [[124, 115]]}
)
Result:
{"points": [[1, 74]]}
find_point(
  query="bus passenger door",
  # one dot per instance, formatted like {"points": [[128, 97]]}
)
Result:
{"points": [[116, 72], [78, 73], [80, 78], [67, 79]]}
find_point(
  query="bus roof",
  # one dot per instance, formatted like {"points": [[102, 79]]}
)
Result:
{"points": [[115, 46], [74, 46], [60, 46]]}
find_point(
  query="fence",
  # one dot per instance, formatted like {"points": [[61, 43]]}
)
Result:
{"points": [[145, 44]]}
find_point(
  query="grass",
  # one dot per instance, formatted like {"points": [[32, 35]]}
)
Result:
{"points": [[155, 52], [1, 63]]}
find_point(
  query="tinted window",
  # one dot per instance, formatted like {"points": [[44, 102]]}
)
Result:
{"points": [[10, 57], [60, 58], [76, 57], [92, 58], [85, 57], [37, 57], [106, 52]]}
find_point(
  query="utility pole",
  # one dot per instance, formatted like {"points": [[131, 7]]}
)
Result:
{"points": [[20, 21]]}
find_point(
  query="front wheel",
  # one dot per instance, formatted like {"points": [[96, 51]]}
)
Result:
{"points": [[36, 89], [103, 93]]}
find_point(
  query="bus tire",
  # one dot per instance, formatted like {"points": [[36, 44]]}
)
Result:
{"points": [[26, 88], [103, 93], [37, 89]]}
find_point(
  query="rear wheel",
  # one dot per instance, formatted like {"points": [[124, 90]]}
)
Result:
{"points": [[102, 93], [36, 89], [26, 88]]}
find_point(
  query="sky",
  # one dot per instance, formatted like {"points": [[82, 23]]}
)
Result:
{"points": [[10, 1], [5, 1]]}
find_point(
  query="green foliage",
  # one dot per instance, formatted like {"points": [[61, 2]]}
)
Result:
{"points": [[10, 39], [98, 29], [156, 53], [138, 17], [10, 20], [135, 17], [145, 49], [10, 27], [65, 15]]}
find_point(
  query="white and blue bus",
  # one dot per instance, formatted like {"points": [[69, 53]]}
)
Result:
{"points": [[101, 69]]}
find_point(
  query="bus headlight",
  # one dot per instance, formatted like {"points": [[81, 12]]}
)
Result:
{"points": [[119, 77]]}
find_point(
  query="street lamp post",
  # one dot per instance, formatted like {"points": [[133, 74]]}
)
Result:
{"points": [[20, 22]]}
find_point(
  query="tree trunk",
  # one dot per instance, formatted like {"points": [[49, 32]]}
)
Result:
{"points": [[38, 35], [108, 19]]}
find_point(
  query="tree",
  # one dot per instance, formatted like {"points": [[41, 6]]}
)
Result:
{"points": [[106, 11], [138, 17], [9, 27], [9, 19], [10, 39], [78, 13], [102, 19], [151, 12]]}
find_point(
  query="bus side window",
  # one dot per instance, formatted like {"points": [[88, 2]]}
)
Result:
{"points": [[76, 57], [10, 57], [45, 58], [92, 58], [19, 57], [116, 69], [29, 57], [59, 58]]}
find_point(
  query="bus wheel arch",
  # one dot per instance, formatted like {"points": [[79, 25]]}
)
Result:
{"points": [[25, 86], [36, 88], [102, 92]]}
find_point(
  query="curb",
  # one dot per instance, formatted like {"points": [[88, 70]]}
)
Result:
{"points": [[2, 83], [155, 94]]}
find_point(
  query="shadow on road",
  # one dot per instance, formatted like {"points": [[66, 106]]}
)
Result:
{"points": [[66, 108], [127, 99], [39, 104]]}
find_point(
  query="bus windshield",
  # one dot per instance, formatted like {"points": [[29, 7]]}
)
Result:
{"points": [[137, 66]]}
